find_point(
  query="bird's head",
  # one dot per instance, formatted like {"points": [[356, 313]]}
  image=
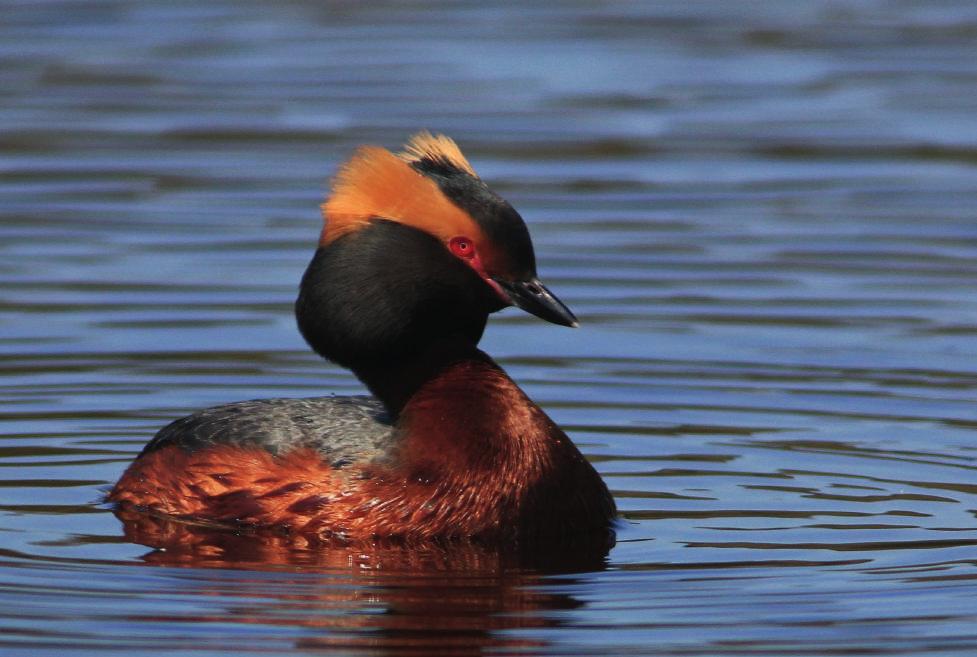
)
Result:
{"points": [[415, 248]]}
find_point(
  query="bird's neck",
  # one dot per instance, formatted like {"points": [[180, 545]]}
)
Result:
{"points": [[466, 418], [452, 400], [465, 426], [395, 381]]}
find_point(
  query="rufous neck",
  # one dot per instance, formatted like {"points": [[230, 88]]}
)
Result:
{"points": [[472, 418]]}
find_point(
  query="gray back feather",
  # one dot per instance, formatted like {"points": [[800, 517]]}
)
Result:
{"points": [[342, 429]]}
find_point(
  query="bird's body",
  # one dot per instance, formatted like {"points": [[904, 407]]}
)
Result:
{"points": [[415, 254]]}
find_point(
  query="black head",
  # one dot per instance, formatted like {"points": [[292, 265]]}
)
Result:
{"points": [[416, 251], [386, 291]]}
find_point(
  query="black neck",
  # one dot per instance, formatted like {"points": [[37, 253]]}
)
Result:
{"points": [[395, 381]]}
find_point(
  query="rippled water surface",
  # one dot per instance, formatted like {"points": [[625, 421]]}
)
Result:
{"points": [[764, 213]]}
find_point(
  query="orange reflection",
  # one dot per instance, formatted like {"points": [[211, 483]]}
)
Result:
{"points": [[454, 599]]}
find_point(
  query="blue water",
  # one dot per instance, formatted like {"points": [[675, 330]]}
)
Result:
{"points": [[764, 214]]}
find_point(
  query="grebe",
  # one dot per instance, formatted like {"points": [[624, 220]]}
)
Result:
{"points": [[415, 253]]}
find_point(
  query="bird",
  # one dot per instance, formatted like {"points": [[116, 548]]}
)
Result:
{"points": [[415, 253]]}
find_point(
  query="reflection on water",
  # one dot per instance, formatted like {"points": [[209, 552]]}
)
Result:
{"points": [[762, 213], [418, 599]]}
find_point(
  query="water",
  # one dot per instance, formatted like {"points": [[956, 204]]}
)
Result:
{"points": [[763, 213]]}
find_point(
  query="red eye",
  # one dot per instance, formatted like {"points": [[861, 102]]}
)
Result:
{"points": [[462, 247]]}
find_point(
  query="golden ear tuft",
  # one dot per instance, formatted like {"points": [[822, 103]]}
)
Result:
{"points": [[436, 148], [376, 184]]}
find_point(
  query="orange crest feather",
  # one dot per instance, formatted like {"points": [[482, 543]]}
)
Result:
{"points": [[376, 183], [435, 147]]}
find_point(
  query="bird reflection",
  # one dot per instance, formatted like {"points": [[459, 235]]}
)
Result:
{"points": [[445, 599]]}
